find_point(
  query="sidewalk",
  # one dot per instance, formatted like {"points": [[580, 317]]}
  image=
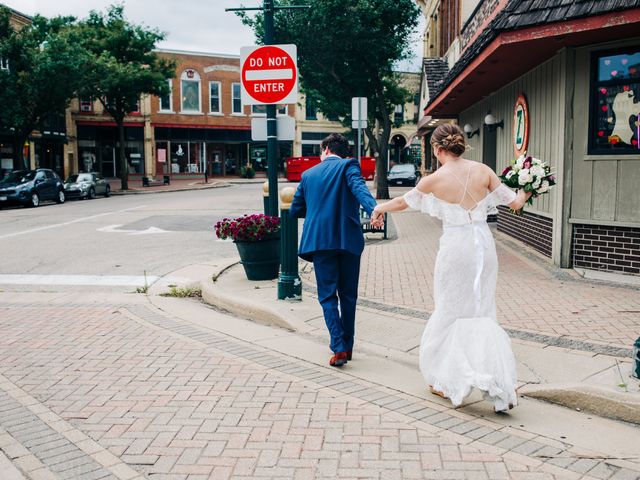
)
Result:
{"points": [[135, 186], [575, 350]]}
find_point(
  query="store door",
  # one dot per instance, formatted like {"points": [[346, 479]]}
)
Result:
{"points": [[108, 159], [489, 147]]}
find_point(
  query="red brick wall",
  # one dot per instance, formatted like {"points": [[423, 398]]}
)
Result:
{"points": [[531, 229], [614, 249]]}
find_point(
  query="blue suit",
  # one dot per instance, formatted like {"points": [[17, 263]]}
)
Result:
{"points": [[329, 197]]}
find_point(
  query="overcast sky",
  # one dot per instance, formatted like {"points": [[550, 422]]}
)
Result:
{"points": [[196, 25]]}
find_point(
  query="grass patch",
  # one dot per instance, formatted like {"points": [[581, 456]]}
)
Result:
{"points": [[183, 292]]}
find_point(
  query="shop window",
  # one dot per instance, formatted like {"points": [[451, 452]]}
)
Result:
{"points": [[166, 103], [190, 91], [86, 105], [311, 112], [398, 114], [214, 97], [4, 64], [235, 98], [615, 103]]}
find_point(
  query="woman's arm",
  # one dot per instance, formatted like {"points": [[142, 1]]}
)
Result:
{"points": [[521, 195], [399, 203]]}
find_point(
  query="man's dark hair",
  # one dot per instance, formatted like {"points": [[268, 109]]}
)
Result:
{"points": [[338, 145]]}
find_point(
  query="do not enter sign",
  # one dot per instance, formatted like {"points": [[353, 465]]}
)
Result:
{"points": [[269, 74]]}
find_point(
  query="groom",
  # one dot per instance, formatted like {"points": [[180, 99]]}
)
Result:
{"points": [[328, 197]]}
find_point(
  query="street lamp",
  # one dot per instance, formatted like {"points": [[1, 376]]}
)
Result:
{"points": [[468, 129]]}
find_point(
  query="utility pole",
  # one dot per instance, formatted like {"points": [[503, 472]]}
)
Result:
{"points": [[268, 8]]}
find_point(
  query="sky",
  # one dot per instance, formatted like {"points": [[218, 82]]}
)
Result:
{"points": [[194, 25]]}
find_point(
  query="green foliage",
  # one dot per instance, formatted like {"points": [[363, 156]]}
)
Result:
{"points": [[247, 172], [44, 74], [123, 66], [347, 48]]}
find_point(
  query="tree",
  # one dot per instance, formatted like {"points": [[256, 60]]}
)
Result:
{"points": [[43, 74], [123, 67], [347, 48]]}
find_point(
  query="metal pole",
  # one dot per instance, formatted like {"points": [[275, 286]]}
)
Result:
{"points": [[359, 127], [272, 128], [289, 284]]}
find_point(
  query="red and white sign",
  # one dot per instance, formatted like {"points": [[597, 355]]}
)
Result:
{"points": [[269, 75]]}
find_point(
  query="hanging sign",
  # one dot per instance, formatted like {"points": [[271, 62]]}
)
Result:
{"points": [[520, 125]]}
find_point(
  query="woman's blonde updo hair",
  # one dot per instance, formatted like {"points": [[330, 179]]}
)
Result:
{"points": [[450, 138]]}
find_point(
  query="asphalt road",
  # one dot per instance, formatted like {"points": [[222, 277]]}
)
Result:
{"points": [[127, 235]]}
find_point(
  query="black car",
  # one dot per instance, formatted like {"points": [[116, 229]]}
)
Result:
{"points": [[31, 187], [403, 174]]}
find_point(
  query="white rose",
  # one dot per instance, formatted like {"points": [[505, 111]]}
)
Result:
{"points": [[536, 183], [524, 176], [544, 187], [536, 161], [537, 171], [520, 161]]}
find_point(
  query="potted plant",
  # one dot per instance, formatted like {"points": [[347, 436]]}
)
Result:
{"points": [[247, 171], [257, 238]]}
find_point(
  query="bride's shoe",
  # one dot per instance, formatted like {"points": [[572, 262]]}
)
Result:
{"points": [[504, 409], [437, 392]]}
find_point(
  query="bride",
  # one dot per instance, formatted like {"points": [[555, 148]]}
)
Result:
{"points": [[462, 346]]}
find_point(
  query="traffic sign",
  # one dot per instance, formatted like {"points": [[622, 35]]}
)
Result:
{"points": [[358, 108], [286, 130], [269, 74]]}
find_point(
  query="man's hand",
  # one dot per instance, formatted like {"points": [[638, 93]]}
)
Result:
{"points": [[377, 218]]}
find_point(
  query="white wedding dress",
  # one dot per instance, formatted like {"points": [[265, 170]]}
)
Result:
{"points": [[462, 345]]}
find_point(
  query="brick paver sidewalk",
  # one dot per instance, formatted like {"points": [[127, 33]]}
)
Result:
{"points": [[90, 391], [532, 295]]}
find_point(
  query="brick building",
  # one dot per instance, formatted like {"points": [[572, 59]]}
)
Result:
{"points": [[560, 80], [201, 126]]}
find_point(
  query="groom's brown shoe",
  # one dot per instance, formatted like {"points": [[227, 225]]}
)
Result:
{"points": [[338, 360], [349, 355]]}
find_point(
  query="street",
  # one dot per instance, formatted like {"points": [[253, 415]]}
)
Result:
{"points": [[98, 381]]}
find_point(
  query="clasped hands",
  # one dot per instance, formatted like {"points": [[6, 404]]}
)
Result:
{"points": [[377, 218]]}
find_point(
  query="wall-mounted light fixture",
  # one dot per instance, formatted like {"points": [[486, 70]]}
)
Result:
{"points": [[491, 122], [468, 129]]}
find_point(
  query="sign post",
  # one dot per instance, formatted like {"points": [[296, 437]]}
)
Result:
{"points": [[359, 118]]}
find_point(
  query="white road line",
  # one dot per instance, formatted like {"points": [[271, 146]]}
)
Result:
{"points": [[77, 220], [94, 280]]}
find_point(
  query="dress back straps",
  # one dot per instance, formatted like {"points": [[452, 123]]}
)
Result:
{"points": [[465, 185]]}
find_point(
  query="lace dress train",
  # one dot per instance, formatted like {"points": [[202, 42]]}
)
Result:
{"points": [[462, 346]]}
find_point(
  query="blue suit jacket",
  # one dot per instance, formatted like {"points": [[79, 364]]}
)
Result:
{"points": [[328, 197]]}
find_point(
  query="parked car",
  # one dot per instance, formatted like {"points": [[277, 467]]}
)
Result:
{"points": [[403, 174], [31, 187], [86, 185]]}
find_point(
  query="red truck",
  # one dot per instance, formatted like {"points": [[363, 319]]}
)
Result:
{"points": [[297, 165]]}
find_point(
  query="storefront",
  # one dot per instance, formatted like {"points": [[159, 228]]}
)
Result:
{"points": [[98, 149], [573, 102], [187, 151]]}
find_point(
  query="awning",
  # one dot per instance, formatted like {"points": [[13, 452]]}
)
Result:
{"points": [[513, 53]]}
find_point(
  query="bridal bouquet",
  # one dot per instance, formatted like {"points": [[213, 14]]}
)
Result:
{"points": [[529, 174]]}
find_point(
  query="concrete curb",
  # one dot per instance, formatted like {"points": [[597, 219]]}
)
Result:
{"points": [[215, 296], [598, 401], [147, 192]]}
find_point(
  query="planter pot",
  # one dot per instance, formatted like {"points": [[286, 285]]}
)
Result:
{"points": [[261, 260]]}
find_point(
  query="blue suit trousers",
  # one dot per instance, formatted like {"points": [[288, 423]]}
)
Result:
{"points": [[337, 275]]}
